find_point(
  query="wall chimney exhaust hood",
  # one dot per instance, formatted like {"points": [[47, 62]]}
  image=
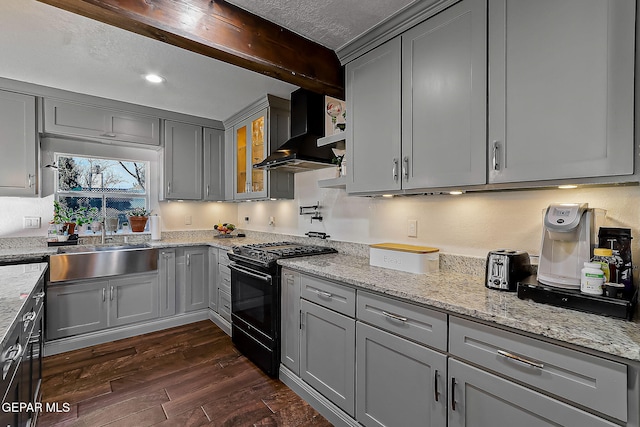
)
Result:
{"points": [[301, 152]]}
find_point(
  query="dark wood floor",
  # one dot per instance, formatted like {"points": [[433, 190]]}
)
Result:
{"points": [[186, 376]]}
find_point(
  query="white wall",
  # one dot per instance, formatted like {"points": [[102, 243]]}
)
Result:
{"points": [[469, 224]]}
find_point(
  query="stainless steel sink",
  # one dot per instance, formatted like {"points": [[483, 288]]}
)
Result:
{"points": [[86, 262]]}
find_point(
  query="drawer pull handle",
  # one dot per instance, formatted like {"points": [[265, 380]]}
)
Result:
{"points": [[394, 316], [324, 294], [435, 386], [520, 359], [453, 394]]}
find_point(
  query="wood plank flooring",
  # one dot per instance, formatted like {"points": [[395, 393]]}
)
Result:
{"points": [[187, 376]]}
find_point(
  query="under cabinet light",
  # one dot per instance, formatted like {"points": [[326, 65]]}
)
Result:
{"points": [[387, 195], [456, 192], [567, 186], [154, 78]]}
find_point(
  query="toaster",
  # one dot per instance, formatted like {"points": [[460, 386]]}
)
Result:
{"points": [[505, 268]]}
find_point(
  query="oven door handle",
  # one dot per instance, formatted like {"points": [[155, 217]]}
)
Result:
{"points": [[241, 270]]}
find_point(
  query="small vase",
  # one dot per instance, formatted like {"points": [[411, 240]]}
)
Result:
{"points": [[138, 223]]}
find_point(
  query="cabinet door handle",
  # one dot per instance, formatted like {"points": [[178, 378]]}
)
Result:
{"points": [[520, 359], [436, 394], [394, 316], [188, 260], [496, 151], [109, 134], [111, 293], [104, 298], [324, 294], [395, 169], [208, 190], [30, 178], [453, 394], [169, 187], [301, 319], [405, 167]]}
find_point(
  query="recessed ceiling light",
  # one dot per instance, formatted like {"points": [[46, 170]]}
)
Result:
{"points": [[154, 78]]}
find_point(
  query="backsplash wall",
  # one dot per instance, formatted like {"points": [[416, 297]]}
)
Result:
{"points": [[470, 224]]}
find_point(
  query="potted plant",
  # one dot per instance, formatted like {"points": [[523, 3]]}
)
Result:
{"points": [[138, 219], [85, 216], [63, 217]]}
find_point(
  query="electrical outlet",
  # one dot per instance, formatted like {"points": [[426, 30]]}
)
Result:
{"points": [[187, 220], [246, 219], [31, 222], [272, 220], [412, 228]]}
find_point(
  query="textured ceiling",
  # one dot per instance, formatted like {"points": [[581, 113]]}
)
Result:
{"points": [[332, 23], [51, 47]]}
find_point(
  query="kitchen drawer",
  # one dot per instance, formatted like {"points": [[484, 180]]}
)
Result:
{"points": [[224, 305], [587, 380], [416, 323], [328, 294], [225, 280], [223, 259]]}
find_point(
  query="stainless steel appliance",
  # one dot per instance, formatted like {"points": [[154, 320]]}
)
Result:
{"points": [[21, 361], [255, 298], [505, 268], [568, 239]]}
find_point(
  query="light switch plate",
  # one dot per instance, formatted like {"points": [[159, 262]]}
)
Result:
{"points": [[187, 220], [31, 222], [412, 228]]}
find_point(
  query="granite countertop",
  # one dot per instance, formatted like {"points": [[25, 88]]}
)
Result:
{"points": [[466, 294], [16, 284], [457, 289]]}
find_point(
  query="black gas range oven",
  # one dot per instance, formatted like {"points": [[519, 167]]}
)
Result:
{"points": [[255, 298]]}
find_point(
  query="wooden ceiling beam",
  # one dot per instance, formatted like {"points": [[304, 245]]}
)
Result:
{"points": [[225, 32]]}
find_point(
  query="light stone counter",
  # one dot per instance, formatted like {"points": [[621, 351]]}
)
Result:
{"points": [[16, 284], [465, 294]]}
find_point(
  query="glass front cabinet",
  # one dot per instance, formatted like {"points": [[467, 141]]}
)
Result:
{"points": [[259, 130]]}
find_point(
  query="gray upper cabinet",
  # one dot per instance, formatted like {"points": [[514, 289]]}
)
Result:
{"points": [[417, 114], [373, 92], [561, 97], [444, 99], [18, 142], [258, 131], [80, 120], [182, 161], [214, 169]]}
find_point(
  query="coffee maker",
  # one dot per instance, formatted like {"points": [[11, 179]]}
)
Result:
{"points": [[568, 238]]}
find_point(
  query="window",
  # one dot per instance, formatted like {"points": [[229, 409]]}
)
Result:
{"points": [[112, 186]]}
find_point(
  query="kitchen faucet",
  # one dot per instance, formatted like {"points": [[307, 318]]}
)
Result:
{"points": [[104, 231]]}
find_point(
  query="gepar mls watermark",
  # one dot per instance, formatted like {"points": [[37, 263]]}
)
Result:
{"points": [[13, 407]]}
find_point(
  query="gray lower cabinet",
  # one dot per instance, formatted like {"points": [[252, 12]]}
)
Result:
{"points": [[479, 398], [398, 382], [88, 121], [214, 278], [327, 354], [290, 320], [91, 305], [224, 301], [18, 144], [133, 299], [196, 278], [167, 282]]}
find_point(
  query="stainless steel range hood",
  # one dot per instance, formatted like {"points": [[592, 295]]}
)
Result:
{"points": [[301, 152]]}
